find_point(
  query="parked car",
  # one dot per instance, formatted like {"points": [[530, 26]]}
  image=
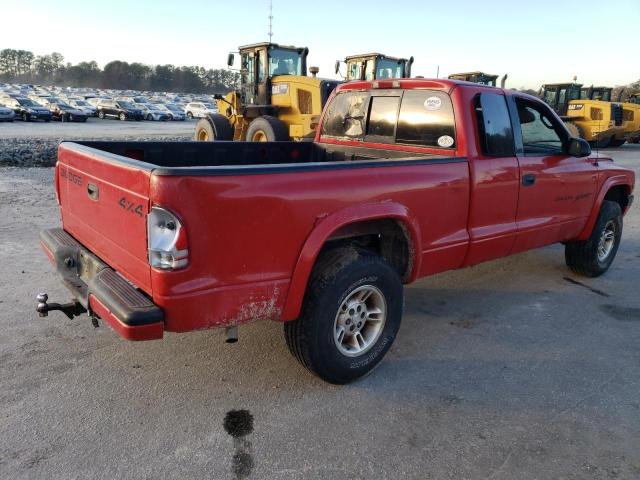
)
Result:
{"points": [[85, 106], [174, 111], [26, 109], [152, 112], [199, 109], [405, 178], [6, 114], [119, 109], [66, 113]]}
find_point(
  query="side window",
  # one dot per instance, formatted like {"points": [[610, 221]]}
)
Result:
{"points": [[541, 135], [383, 114], [346, 115], [494, 125], [426, 118]]}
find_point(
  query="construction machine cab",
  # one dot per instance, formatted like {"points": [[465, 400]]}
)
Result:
{"points": [[596, 93], [477, 77], [634, 98], [374, 66], [259, 63], [558, 95]]}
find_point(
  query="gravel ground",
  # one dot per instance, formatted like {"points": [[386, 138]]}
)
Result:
{"points": [[34, 144], [506, 370]]}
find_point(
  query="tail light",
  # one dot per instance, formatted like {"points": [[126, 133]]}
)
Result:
{"points": [[167, 240]]}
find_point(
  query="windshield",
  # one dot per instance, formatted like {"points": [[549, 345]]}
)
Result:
{"points": [[125, 105], [174, 108], [208, 105], [389, 69], [81, 103], [284, 62], [25, 102]]}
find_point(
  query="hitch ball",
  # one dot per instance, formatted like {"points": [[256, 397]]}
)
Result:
{"points": [[42, 309]]}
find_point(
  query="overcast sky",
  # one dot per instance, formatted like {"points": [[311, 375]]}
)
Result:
{"points": [[534, 42]]}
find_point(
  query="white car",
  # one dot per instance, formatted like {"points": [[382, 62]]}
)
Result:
{"points": [[6, 114], [199, 109], [152, 112], [84, 106]]}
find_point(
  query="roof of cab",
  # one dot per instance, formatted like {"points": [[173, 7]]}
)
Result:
{"points": [[407, 84]]}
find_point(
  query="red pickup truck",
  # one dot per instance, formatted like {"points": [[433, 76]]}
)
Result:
{"points": [[406, 178]]}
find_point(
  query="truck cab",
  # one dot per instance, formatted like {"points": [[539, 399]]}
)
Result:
{"points": [[373, 66], [477, 77]]}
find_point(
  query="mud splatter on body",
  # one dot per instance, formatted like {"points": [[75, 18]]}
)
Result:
{"points": [[239, 424]]}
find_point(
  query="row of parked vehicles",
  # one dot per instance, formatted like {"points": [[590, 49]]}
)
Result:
{"points": [[28, 103]]}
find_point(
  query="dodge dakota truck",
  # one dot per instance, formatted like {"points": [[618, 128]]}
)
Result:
{"points": [[406, 178]]}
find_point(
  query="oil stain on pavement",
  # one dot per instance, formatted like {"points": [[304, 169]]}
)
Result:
{"points": [[625, 314], [239, 424]]}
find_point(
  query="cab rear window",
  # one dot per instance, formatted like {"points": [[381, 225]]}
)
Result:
{"points": [[410, 117]]}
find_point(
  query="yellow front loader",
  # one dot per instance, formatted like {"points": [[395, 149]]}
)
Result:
{"points": [[275, 101], [596, 121]]}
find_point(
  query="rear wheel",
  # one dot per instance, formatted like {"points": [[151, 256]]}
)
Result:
{"points": [[574, 129], [25, 117], [593, 257], [267, 129], [617, 142], [122, 116], [189, 115], [601, 143], [149, 117], [350, 317], [101, 114], [213, 127]]}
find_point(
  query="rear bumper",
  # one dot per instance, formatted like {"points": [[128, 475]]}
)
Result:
{"points": [[99, 289]]}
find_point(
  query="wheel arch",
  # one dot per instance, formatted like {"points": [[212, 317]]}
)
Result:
{"points": [[617, 189], [353, 223]]}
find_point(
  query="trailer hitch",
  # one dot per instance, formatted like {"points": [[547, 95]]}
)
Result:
{"points": [[71, 309]]}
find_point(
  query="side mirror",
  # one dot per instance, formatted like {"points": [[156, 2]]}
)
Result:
{"points": [[579, 147], [230, 59], [217, 96], [337, 66]]}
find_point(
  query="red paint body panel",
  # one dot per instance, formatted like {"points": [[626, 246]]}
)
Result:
{"points": [[253, 238]]}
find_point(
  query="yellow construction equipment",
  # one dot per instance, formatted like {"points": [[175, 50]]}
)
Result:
{"points": [[373, 66], [480, 77], [630, 114], [596, 121], [275, 101]]}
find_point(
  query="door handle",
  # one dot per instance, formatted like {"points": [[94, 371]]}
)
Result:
{"points": [[528, 180]]}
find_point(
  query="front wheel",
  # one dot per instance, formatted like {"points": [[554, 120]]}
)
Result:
{"points": [[25, 117], [189, 115], [350, 317], [122, 117], [101, 115], [593, 257]]}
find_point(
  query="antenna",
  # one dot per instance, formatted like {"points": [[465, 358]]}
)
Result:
{"points": [[270, 20]]}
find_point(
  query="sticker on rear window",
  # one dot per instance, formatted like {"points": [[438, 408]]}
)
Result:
{"points": [[433, 103], [445, 141]]}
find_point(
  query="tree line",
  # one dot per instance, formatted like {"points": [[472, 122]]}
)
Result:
{"points": [[22, 66]]}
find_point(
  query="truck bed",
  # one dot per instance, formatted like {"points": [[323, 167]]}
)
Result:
{"points": [[218, 158]]}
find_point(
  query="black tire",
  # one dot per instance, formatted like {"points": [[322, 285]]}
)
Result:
{"points": [[47, 120], [310, 338], [25, 117], [122, 116], [268, 127], [582, 256], [617, 142], [84, 120], [602, 143], [213, 127], [189, 115], [101, 115], [149, 117]]}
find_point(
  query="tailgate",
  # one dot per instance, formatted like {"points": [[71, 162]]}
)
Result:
{"points": [[104, 201]]}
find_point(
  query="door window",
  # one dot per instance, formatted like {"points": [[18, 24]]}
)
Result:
{"points": [[494, 125], [541, 133], [346, 115]]}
